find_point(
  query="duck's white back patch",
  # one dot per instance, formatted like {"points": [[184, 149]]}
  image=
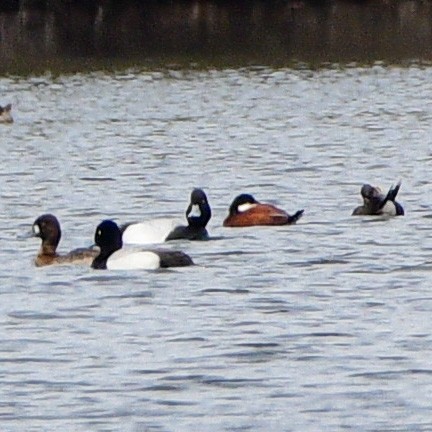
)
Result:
{"points": [[245, 207], [150, 232]]}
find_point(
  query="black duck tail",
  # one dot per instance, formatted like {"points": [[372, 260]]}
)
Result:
{"points": [[391, 195], [295, 217]]}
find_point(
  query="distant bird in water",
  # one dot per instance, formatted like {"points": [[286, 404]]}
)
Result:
{"points": [[5, 114], [375, 203]]}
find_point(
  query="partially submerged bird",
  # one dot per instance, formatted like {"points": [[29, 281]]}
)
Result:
{"points": [[109, 239], [246, 211], [5, 114], [375, 203], [47, 228], [198, 214]]}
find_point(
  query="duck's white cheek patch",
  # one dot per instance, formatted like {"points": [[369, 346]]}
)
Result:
{"points": [[245, 207], [36, 230], [195, 211]]}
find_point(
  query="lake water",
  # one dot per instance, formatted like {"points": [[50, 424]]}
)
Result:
{"points": [[322, 326]]}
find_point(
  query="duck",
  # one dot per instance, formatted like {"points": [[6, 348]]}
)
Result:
{"points": [[47, 228], [108, 237], [5, 114], [198, 214], [375, 203], [246, 211]]}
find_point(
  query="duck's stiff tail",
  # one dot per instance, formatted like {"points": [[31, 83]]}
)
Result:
{"points": [[295, 217], [394, 191], [391, 195]]}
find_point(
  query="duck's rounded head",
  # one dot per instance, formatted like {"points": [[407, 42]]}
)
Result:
{"points": [[108, 236], [47, 227], [198, 196], [242, 203], [370, 192]]}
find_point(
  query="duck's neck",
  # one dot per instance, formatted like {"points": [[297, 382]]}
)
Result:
{"points": [[48, 249], [202, 220], [100, 262]]}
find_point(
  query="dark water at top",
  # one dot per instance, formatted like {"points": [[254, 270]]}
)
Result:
{"points": [[109, 35]]}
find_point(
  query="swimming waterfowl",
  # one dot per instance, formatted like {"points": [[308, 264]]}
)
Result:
{"points": [[246, 211], [47, 228], [198, 214], [108, 237], [5, 114], [375, 203]]}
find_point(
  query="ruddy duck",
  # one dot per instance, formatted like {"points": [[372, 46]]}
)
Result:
{"points": [[375, 203], [109, 239], [198, 214], [47, 228], [246, 211]]}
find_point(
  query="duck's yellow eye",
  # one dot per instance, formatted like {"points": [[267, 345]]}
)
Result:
{"points": [[99, 233]]}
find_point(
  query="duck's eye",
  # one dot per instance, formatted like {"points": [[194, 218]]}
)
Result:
{"points": [[99, 233]]}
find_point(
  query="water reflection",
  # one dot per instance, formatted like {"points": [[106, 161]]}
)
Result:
{"points": [[106, 34]]}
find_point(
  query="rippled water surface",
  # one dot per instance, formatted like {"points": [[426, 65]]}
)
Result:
{"points": [[323, 326]]}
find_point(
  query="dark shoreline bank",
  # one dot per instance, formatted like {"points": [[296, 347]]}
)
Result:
{"points": [[108, 34], [15, 5]]}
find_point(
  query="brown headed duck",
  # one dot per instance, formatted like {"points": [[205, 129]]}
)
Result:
{"points": [[47, 227]]}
